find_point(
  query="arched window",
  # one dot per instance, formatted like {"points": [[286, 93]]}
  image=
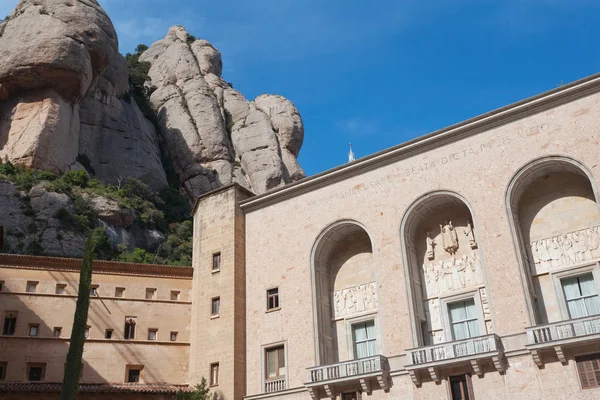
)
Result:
{"points": [[345, 300], [444, 270]]}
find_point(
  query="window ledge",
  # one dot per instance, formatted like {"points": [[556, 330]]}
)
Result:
{"points": [[215, 316], [215, 271], [273, 310]]}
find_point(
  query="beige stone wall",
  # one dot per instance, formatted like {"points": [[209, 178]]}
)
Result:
{"points": [[104, 360], [523, 380], [218, 227], [479, 167]]}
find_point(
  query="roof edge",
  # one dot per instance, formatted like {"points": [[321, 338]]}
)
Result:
{"points": [[221, 189], [500, 116], [99, 266]]}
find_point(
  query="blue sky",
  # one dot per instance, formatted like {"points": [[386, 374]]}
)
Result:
{"points": [[377, 73]]}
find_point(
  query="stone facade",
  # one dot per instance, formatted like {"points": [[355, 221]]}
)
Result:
{"points": [[42, 292], [517, 175], [449, 262]]}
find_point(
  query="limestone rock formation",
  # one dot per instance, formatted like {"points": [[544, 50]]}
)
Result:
{"points": [[212, 133], [60, 78]]}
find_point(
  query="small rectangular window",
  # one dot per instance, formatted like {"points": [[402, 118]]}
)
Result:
{"points": [[365, 340], [57, 332], [463, 319], [215, 307], [130, 328], [87, 331], [150, 293], [173, 336], [588, 368], [174, 295], [60, 288], [460, 387], [10, 323], [3, 366], [119, 292], [214, 374], [32, 286], [273, 299], [152, 334], [34, 329], [1, 286], [134, 373], [216, 262], [36, 372], [275, 363], [94, 291], [108, 334], [581, 296]]}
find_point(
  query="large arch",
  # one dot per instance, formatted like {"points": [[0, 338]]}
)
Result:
{"points": [[575, 183], [343, 273], [427, 292]]}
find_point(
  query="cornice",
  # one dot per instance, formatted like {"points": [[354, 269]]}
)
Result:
{"points": [[99, 267], [453, 133]]}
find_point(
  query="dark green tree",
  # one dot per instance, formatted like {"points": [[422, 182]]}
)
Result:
{"points": [[201, 392], [70, 384]]}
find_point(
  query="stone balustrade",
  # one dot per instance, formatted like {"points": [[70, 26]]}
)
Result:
{"points": [[472, 351], [275, 385], [561, 334], [360, 372]]}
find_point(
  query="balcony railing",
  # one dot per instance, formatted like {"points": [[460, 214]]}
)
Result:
{"points": [[471, 350], [275, 385], [347, 369], [360, 372], [560, 334]]}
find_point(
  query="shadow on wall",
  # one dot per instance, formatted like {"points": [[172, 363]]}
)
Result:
{"points": [[33, 343], [44, 315]]}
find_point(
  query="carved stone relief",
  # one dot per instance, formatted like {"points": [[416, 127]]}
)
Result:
{"points": [[356, 299], [470, 234], [434, 314], [565, 250], [452, 274], [449, 237], [484, 303]]}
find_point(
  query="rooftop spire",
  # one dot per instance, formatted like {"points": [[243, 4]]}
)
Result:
{"points": [[351, 154]]}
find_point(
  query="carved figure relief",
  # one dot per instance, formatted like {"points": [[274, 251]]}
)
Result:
{"points": [[484, 304], [453, 274], [565, 250], [449, 237], [430, 247], [470, 234], [355, 299], [434, 314]]}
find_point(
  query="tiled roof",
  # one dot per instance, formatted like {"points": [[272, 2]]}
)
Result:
{"points": [[44, 387], [99, 267]]}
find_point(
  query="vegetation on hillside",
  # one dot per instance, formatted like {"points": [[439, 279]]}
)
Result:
{"points": [[167, 212]]}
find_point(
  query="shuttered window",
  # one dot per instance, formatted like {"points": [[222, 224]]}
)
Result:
{"points": [[588, 368]]}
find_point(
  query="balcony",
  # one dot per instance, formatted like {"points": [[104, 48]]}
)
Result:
{"points": [[275, 385], [472, 351], [359, 374], [561, 334]]}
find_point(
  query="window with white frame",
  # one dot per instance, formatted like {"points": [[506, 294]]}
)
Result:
{"points": [[581, 296], [364, 339], [275, 363], [464, 322]]}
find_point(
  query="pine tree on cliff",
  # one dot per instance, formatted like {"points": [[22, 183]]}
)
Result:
{"points": [[70, 384]]}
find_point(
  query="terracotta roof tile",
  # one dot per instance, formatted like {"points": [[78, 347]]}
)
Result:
{"points": [[48, 387]]}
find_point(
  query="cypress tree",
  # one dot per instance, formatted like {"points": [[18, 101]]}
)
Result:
{"points": [[70, 384]]}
